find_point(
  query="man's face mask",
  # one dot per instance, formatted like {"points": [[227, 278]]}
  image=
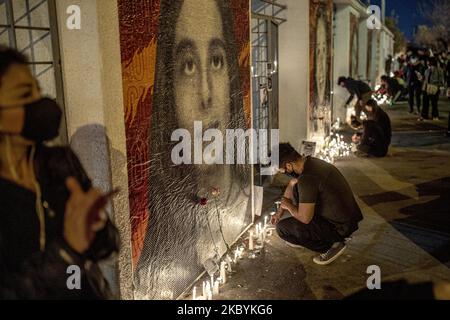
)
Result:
{"points": [[290, 173], [42, 120]]}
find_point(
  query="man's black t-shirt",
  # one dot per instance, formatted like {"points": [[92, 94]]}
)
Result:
{"points": [[322, 183]]}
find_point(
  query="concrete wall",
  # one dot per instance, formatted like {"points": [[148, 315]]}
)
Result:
{"points": [[94, 104], [380, 53], [294, 72]]}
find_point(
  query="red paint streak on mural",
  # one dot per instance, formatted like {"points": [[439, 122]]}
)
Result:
{"points": [[138, 27], [138, 22]]}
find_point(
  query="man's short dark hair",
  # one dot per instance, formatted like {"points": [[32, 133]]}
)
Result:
{"points": [[342, 79], [8, 57], [384, 78], [372, 103], [287, 154]]}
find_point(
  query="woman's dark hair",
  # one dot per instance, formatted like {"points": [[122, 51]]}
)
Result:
{"points": [[175, 219], [374, 115], [8, 57], [287, 154]]}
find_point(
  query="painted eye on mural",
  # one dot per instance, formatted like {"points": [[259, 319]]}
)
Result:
{"points": [[217, 62], [189, 67]]}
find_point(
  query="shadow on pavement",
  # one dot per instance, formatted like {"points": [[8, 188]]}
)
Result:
{"points": [[427, 224]]}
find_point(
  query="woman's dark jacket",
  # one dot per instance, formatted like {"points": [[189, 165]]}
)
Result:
{"points": [[377, 134], [25, 271]]}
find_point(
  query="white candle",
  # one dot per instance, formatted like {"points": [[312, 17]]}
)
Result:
{"points": [[208, 295], [212, 280], [265, 222], [223, 273], [204, 289], [216, 288], [250, 241], [236, 255], [194, 293], [278, 204]]}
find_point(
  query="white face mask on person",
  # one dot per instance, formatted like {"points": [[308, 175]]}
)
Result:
{"points": [[41, 122]]}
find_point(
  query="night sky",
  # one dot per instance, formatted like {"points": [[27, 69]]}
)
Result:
{"points": [[408, 12]]}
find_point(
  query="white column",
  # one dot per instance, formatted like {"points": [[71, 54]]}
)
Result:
{"points": [[294, 73], [93, 93]]}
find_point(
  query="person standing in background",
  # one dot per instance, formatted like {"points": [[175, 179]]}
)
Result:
{"points": [[433, 81], [414, 84]]}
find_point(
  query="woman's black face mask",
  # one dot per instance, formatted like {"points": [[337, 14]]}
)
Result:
{"points": [[42, 120]]}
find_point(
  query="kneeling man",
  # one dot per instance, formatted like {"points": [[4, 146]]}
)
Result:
{"points": [[321, 202]]}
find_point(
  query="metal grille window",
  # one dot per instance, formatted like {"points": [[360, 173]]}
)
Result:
{"points": [[30, 27], [265, 21], [259, 74]]}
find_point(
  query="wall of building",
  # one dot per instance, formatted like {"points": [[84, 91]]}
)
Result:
{"points": [[294, 72], [94, 102]]}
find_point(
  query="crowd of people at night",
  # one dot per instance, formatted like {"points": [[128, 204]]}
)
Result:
{"points": [[418, 76]]}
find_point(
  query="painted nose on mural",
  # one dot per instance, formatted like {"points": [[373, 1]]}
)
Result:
{"points": [[206, 98]]}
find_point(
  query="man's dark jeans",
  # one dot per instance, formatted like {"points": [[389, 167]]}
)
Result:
{"points": [[317, 236], [415, 91], [434, 99]]}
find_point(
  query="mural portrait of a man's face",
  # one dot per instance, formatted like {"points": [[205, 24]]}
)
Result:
{"points": [[321, 60], [320, 16], [355, 56], [354, 46], [201, 82], [197, 78]]}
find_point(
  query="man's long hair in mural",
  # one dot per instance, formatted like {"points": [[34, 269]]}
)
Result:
{"points": [[354, 46], [321, 12], [192, 84]]}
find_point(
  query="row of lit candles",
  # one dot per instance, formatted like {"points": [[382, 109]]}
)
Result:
{"points": [[211, 288], [334, 147]]}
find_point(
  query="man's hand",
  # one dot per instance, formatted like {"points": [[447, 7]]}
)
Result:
{"points": [[276, 218], [84, 216]]}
